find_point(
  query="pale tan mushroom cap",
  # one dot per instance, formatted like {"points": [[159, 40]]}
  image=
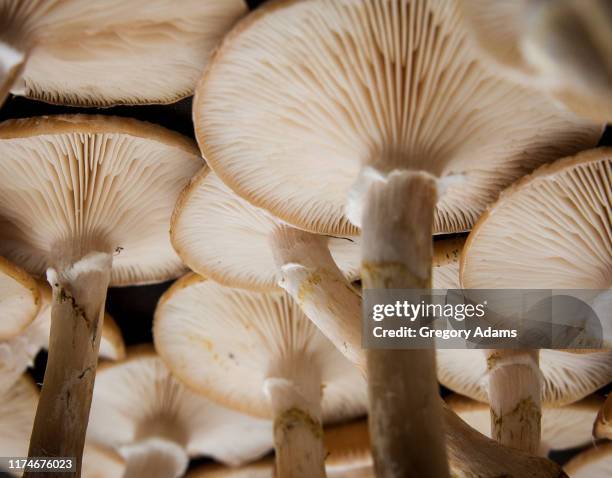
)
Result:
{"points": [[562, 427], [566, 376], [593, 463], [348, 447], [445, 266], [101, 462], [563, 47], [139, 394], [220, 235], [226, 342], [603, 425], [261, 469], [19, 299], [17, 410], [551, 230], [143, 51], [72, 184], [302, 95]]}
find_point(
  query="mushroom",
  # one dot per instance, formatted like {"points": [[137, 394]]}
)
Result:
{"points": [[19, 299], [603, 425], [112, 346], [563, 46], [257, 353], [333, 115], [220, 235], [157, 423], [17, 409], [101, 462], [596, 462], [564, 427], [563, 242], [89, 200], [74, 52], [260, 469], [18, 353]]}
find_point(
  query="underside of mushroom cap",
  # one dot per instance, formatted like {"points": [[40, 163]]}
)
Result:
{"points": [[593, 463], [138, 400], [562, 427], [19, 299], [17, 409], [302, 95], [226, 343], [551, 230], [348, 447], [220, 235], [101, 462], [562, 47], [261, 469], [143, 51], [70, 185], [566, 377]]}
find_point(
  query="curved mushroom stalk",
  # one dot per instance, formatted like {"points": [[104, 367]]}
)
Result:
{"points": [[472, 454], [155, 458], [298, 430], [515, 385], [603, 424], [397, 253], [79, 293], [12, 62], [311, 276]]}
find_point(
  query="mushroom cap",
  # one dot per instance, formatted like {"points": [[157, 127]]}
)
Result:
{"points": [[562, 46], [562, 427], [72, 184], [143, 51], [17, 409], [261, 469], [101, 462], [139, 393], [603, 424], [19, 299], [348, 447], [567, 376], [302, 95], [220, 235], [447, 253], [558, 218], [593, 463], [226, 342]]}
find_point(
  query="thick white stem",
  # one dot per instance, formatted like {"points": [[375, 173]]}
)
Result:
{"points": [[11, 65], [298, 431], [405, 418], [315, 282], [155, 458], [514, 397], [79, 293]]}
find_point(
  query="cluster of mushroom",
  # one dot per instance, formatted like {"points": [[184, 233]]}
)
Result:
{"points": [[337, 140]]}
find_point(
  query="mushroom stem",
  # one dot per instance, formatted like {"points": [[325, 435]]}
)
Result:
{"points": [[405, 419], [603, 424], [514, 396], [298, 431], [315, 282], [79, 293], [472, 454], [156, 458], [11, 66]]}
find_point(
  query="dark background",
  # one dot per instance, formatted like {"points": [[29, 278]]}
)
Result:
{"points": [[132, 307]]}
